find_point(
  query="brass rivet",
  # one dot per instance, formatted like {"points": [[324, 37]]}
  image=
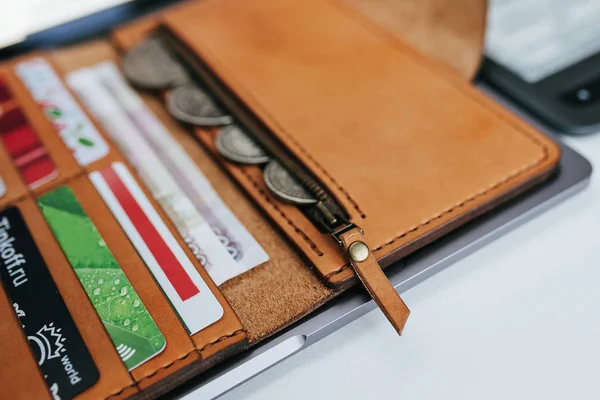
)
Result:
{"points": [[358, 251]]}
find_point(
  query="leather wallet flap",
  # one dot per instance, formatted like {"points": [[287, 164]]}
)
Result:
{"points": [[449, 31], [408, 148]]}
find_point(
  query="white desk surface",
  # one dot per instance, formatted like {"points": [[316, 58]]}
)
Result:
{"points": [[517, 319]]}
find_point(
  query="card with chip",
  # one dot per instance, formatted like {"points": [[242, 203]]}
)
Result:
{"points": [[63, 358], [185, 288], [134, 333]]}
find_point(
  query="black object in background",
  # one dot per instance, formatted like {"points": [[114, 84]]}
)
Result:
{"points": [[568, 101]]}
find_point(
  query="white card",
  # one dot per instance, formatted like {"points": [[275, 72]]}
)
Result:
{"points": [[196, 305], [73, 126]]}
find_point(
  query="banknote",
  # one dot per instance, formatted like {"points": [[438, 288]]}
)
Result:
{"points": [[242, 246], [232, 233], [189, 222]]}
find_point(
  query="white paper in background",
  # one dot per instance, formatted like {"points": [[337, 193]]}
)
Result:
{"points": [[12, 22], [537, 38], [21, 18], [44, 14]]}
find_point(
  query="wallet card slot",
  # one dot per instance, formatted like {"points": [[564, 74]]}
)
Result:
{"points": [[12, 187], [28, 154], [291, 290], [113, 376], [214, 341], [65, 362], [40, 129], [182, 352], [283, 285], [20, 377], [178, 345], [61, 109], [107, 152]]}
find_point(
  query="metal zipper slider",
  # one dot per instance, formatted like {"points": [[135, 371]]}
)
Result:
{"points": [[351, 239]]}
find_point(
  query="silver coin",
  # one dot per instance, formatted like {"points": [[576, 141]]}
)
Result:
{"points": [[235, 145], [150, 66], [190, 104], [285, 186]]}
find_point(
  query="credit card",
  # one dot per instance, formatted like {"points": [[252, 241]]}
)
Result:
{"points": [[130, 326], [138, 118], [64, 360], [22, 143], [73, 126], [180, 281]]}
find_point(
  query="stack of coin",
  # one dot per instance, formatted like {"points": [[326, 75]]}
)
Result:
{"points": [[151, 65]]}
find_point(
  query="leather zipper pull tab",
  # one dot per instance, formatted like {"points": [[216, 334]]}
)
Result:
{"points": [[368, 270]]}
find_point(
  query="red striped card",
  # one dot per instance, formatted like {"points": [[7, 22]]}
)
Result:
{"points": [[188, 293]]}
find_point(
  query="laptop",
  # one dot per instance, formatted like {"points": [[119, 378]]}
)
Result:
{"points": [[571, 177]]}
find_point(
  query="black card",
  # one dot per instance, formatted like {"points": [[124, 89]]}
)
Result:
{"points": [[64, 361]]}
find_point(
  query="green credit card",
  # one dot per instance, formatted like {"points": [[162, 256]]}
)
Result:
{"points": [[129, 324]]}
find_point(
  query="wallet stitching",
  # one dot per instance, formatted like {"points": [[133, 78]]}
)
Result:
{"points": [[393, 42], [302, 234], [469, 199], [17, 199], [293, 140], [220, 339], [319, 166], [540, 160], [169, 365], [544, 157]]}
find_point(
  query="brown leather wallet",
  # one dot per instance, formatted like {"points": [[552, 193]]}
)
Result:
{"points": [[379, 114], [404, 147]]}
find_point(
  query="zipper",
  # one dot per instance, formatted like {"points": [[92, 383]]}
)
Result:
{"points": [[327, 214]]}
